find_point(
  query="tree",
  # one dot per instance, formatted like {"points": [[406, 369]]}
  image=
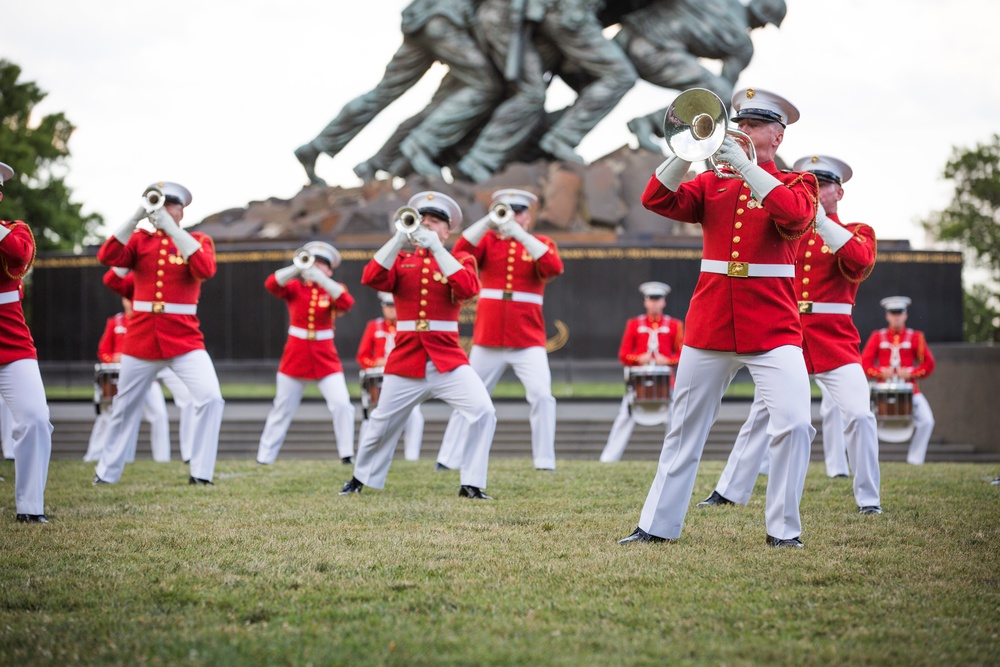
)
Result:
{"points": [[971, 222], [38, 193]]}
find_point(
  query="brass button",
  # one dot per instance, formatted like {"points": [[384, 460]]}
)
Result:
{"points": [[422, 314], [159, 283], [807, 268], [427, 260], [425, 270], [736, 239], [423, 302], [160, 273], [164, 241], [738, 225], [312, 310], [736, 255], [743, 197], [805, 281], [161, 262], [424, 281], [509, 286], [424, 292], [805, 295], [812, 241], [159, 295], [163, 251], [739, 211], [809, 253]]}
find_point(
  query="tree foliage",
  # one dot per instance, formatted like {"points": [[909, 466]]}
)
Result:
{"points": [[972, 222], [37, 151]]}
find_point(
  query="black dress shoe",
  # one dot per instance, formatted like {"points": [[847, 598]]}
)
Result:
{"points": [[353, 486], [778, 544], [474, 492], [347, 460], [842, 475], [715, 499], [639, 535], [98, 480], [870, 509], [31, 518], [438, 467], [197, 480]]}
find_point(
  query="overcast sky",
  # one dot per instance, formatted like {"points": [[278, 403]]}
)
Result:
{"points": [[217, 95]]}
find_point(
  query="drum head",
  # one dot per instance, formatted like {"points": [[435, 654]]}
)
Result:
{"points": [[650, 414], [896, 432]]}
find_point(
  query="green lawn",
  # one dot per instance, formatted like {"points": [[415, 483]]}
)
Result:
{"points": [[272, 567]]}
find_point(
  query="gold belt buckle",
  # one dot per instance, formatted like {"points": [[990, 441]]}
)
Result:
{"points": [[805, 307], [508, 296], [310, 334], [738, 270], [423, 325], [159, 307]]}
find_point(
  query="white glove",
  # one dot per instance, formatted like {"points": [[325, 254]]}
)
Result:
{"points": [[186, 244], [475, 232], [534, 247], [760, 182], [286, 275], [124, 232], [835, 235], [386, 255], [672, 172], [423, 237], [331, 286], [4, 231], [121, 271]]}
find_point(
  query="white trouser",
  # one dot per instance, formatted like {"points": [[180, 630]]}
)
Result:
{"points": [[31, 432], [185, 404], [196, 371], [834, 447], [6, 431], [413, 434], [847, 389], [701, 380], [288, 396], [531, 366], [154, 411], [923, 424], [462, 389], [621, 431]]}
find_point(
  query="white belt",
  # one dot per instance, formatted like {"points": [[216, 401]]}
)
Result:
{"points": [[427, 325], [10, 297], [814, 308], [501, 295], [746, 270], [311, 334], [168, 308]]}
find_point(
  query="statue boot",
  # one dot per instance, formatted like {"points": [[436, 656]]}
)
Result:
{"points": [[644, 132], [307, 154]]}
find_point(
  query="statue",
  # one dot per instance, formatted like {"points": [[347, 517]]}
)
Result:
{"points": [[433, 30], [666, 39]]}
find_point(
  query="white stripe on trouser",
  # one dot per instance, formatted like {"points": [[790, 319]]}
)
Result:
{"points": [[413, 434], [461, 389], [154, 411], [846, 389], [31, 434], [185, 405], [531, 366], [701, 380], [288, 396], [6, 430], [923, 425], [621, 431], [196, 371]]}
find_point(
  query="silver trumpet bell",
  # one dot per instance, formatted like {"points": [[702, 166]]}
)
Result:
{"points": [[153, 199], [303, 259], [407, 220], [695, 126], [500, 213]]}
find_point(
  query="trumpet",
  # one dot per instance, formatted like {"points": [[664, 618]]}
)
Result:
{"points": [[303, 259], [407, 220], [695, 127], [153, 199], [500, 213]]}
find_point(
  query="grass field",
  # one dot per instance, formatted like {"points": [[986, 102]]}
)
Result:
{"points": [[272, 567]]}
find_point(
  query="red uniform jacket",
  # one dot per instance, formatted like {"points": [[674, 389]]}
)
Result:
{"points": [[17, 252], [311, 308], [908, 343], [377, 342], [831, 340], [120, 285], [422, 292], [109, 349], [161, 274], [505, 265], [742, 315], [669, 333]]}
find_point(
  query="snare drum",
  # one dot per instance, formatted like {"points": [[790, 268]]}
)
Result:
{"points": [[892, 404], [105, 385], [648, 390], [371, 388]]}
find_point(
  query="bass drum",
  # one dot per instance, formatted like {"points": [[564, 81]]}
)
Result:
{"points": [[892, 404], [648, 391], [105, 386], [371, 388]]}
